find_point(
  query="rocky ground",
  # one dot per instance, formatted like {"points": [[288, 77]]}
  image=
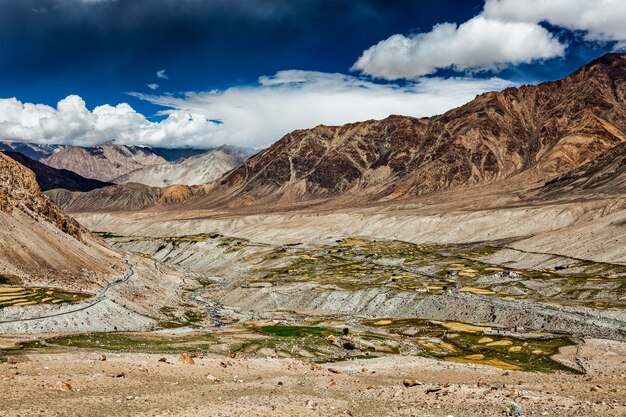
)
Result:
{"points": [[96, 383]]}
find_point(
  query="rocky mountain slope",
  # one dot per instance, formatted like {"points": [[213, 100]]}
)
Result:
{"points": [[526, 134], [103, 162], [123, 197], [154, 167], [194, 170], [605, 174], [50, 178], [38, 241]]}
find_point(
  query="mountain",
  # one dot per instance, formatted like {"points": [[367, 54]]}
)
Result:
{"points": [[31, 150], [123, 197], [197, 169], [524, 135], [40, 242], [157, 167], [103, 162], [49, 178]]}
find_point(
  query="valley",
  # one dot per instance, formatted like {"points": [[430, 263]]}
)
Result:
{"points": [[470, 263]]}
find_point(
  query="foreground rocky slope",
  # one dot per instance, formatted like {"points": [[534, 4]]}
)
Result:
{"points": [[39, 242], [525, 134]]}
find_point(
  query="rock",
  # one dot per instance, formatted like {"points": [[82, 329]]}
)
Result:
{"points": [[186, 358], [431, 390], [411, 383], [102, 357], [212, 378], [516, 410], [334, 371], [163, 360], [61, 386]]}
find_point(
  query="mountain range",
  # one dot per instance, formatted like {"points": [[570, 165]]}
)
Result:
{"points": [[521, 135]]}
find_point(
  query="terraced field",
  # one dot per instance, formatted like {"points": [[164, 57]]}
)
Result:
{"points": [[19, 296], [433, 269]]}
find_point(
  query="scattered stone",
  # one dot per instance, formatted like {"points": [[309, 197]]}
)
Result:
{"points": [[334, 370], [163, 360], [516, 410], [61, 386], [186, 358], [102, 357], [120, 375], [212, 378], [431, 390], [411, 383]]}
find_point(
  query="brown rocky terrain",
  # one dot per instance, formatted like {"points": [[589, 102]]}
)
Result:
{"points": [[38, 241], [605, 174], [523, 135], [123, 197]]}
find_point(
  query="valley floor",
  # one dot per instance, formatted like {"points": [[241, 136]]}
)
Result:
{"points": [[81, 383]]}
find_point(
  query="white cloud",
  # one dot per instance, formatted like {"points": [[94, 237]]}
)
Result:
{"points": [[602, 20], [72, 123], [152, 86], [477, 44], [254, 116], [161, 74], [506, 32], [288, 100]]}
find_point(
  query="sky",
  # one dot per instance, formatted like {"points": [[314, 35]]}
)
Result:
{"points": [[201, 73]]}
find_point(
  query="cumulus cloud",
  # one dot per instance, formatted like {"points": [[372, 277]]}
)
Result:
{"points": [[506, 32], [259, 115], [478, 44], [161, 74], [254, 115], [601, 20], [72, 123], [152, 86]]}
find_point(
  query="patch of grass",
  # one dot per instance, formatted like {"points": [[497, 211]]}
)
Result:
{"points": [[138, 342], [296, 331]]}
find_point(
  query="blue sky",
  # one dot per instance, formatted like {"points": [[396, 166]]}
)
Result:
{"points": [[163, 70]]}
